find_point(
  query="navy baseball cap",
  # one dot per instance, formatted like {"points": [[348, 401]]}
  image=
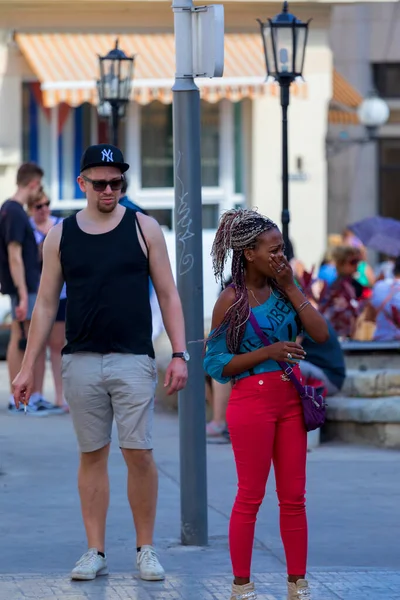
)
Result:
{"points": [[103, 155]]}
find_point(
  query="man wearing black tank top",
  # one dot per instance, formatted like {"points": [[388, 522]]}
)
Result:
{"points": [[105, 254]]}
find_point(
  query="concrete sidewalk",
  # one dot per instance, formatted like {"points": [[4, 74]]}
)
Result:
{"points": [[353, 500]]}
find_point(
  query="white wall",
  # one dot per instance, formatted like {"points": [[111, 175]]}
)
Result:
{"points": [[211, 288]]}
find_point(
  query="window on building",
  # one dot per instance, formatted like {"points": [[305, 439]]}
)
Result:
{"points": [[210, 216], [389, 178], [74, 134], [157, 165], [164, 216], [387, 79]]}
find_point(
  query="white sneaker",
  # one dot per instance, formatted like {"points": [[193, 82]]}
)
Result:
{"points": [[149, 565], [89, 566]]}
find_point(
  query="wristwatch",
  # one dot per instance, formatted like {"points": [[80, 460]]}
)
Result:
{"points": [[183, 355]]}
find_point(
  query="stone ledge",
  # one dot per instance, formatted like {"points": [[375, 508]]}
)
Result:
{"points": [[372, 383], [364, 410], [382, 435]]}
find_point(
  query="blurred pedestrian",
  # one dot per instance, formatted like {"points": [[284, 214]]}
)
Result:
{"points": [[385, 307], [216, 430], [385, 268], [105, 253], [20, 273], [42, 221], [327, 270], [341, 302], [265, 417]]}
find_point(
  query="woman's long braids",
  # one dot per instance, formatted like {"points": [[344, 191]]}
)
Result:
{"points": [[238, 230]]}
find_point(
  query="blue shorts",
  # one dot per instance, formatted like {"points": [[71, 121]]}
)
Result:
{"points": [[15, 302]]}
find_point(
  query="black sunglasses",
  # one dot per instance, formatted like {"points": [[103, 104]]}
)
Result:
{"points": [[39, 206], [100, 185], [353, 262]]}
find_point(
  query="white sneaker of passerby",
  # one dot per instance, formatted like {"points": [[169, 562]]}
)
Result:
{"points": [[89, 566], [149, 565]]}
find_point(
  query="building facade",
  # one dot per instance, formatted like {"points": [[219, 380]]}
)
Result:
{"points": [[364, 177], [48, 72]]}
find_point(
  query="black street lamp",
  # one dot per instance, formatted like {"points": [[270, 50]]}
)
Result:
{"points": [[114, 86], [284, 40]]}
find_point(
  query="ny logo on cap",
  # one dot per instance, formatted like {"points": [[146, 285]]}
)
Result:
{"points": [[107, 156]]}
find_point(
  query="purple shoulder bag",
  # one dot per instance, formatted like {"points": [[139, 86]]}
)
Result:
{"points": [[314, 405]]}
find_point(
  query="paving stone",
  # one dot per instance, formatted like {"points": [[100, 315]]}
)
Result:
{"points": [[325, 585]]}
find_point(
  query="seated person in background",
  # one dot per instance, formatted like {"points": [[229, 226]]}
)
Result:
{"points": [[327, 271], [365, 274], [385, 268], [384, 307], [324, 363], [218, 397], [341, 303]]}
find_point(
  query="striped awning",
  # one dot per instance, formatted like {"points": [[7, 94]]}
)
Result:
{"points": [[344, 103], [66, 64]]}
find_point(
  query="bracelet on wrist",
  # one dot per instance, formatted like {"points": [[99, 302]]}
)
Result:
{"points": [[303, 306]]}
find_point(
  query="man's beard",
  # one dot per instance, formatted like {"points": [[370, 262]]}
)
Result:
{"points": [[105, 209]]}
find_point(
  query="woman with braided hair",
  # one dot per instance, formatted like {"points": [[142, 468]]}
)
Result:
{"points": [[264, 414]]}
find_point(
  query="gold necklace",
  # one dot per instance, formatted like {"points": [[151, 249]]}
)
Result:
{"points": [[252, 293]]}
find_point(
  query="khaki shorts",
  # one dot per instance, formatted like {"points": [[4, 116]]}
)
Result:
{"points": [[99, 387]]}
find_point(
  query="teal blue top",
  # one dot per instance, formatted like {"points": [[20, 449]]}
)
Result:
{"points": [[278, 320]]}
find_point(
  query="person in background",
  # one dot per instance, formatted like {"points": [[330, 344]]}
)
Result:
{"points": [[42, 221], [327, 271], [265, 416], [216, 430], [297, 266], [385, 307], [365, 273], [385, 268], [341, 302], [324, 363], [125, 201], [20, 273]]}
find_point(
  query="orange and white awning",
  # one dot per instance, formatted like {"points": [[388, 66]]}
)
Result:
{"points": [[66, 64], [344, 103]]}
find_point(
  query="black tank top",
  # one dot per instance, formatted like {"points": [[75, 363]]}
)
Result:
{"points": [[108, 293]]}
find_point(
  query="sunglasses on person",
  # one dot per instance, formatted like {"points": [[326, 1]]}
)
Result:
{"points": [[41, 205], [100, 185], [353, 262]]}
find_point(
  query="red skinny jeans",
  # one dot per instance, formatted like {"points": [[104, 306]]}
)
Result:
{"points": [[265, 422]]}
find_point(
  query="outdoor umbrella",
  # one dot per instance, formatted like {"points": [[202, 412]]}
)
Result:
{"points": [[379, 233]]}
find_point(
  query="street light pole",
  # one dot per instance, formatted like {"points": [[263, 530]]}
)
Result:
{"points": [[189, 275], [114, 87], [284, 40], [114, 122], [285, 95]]}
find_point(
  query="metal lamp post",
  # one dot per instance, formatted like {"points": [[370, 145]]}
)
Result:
{"points": [[372, 113], [114, 86], [284, 40]]}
